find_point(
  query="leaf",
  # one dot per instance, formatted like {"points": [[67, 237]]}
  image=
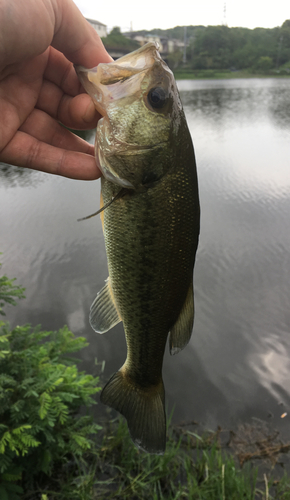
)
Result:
{"points": [[81, 441], [15, 488], [19, 430], [45, 401], [3, 493]]}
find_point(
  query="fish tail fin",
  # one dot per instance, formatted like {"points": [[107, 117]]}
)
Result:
{"points": [[142, 407]]}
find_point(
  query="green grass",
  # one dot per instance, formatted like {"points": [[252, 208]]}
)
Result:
{"points": [[184, 471], [193, 467]]}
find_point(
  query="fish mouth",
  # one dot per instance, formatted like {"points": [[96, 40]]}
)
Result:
{"points": [[109, 82]]}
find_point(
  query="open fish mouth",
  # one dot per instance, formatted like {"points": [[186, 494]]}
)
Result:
{"points": [[109, 82]]}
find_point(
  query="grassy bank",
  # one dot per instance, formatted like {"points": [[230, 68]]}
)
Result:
{"points": [[52, 448], [199, 467], [223, 74]]}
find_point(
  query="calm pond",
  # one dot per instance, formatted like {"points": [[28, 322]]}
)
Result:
{"points": [[237, 365]]}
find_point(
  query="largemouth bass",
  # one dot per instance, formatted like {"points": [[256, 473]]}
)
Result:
{"points": [[151, 228]]}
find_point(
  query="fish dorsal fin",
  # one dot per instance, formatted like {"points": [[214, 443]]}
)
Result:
{"points": [[181, 331], [103, 312]]}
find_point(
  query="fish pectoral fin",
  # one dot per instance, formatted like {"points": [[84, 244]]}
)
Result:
{"points": [[103, 312], [181, 331], [143, 407]]}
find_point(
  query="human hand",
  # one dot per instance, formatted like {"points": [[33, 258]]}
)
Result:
{"points": [[40, 40]]}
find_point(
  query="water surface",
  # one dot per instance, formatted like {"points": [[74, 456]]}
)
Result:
{"points": [[237, 365]]}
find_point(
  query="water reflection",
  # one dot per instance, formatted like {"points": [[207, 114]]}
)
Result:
{"points": [[238, 101], [11, 176], [280, 108], [237, 363]]}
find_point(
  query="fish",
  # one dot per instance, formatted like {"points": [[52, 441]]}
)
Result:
{"points": [[150, 216]]}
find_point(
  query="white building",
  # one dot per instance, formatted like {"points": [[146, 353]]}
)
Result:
{"points": [[145, 39], [100, 28], [166, 45]]}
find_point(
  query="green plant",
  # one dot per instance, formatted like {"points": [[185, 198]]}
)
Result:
{"points": [[41, 392], [8, 291], [197, 469]]}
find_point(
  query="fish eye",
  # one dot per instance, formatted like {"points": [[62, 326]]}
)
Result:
{"points": [[157, 97]]}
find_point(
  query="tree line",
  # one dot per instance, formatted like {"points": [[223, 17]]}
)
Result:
{"points": [[220, 47]]}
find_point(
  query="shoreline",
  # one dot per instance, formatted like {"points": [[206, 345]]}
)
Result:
{"points": [[223, 75]]}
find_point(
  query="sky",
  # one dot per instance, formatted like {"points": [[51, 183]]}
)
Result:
{"points": [[150, 14]]}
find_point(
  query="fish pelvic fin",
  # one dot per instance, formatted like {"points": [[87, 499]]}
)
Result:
{"points": [[142, 407], [181, 331], [103, 312]]}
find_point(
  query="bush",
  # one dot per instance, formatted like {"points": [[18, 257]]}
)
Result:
{"points": [[8, 291], [41, 393], [265, 63]]}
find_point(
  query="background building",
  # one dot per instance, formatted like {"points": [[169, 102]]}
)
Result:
{"points": [[100, 28]]}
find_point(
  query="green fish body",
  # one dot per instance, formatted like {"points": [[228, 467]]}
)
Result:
{"points": [[151, 230]]}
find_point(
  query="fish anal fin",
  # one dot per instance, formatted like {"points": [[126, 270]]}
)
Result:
{"points": [[181, 331], [103, 312], [142, 407]]}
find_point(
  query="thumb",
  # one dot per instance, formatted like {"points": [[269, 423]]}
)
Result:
{"points": [[76, 38]]}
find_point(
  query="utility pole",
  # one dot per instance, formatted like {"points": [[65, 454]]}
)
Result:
{"points": [[225, 15], [184, 48], [279, 51]]}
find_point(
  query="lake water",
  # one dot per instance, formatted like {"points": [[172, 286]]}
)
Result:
{"points": [[237, 365]]}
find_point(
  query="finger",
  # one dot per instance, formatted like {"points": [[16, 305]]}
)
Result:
{"points": [[27, 29], [27, 151], [76, 38], [45, 129], [18, 96], [78, 112], [61, 72]]}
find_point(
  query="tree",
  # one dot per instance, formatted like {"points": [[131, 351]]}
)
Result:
{"points": [[265, 63]]}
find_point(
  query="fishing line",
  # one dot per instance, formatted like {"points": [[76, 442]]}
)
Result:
{"points": [[119, 195]]}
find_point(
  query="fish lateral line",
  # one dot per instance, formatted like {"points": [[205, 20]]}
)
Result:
{"points": [[119, 195]]}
